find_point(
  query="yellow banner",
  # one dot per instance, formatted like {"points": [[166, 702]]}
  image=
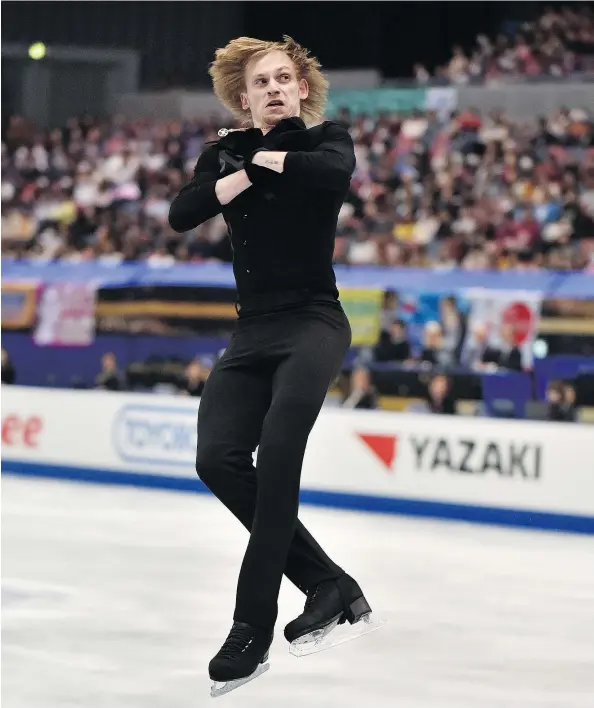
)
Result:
{"points": [[163, 308], [363, 308], [19, 305]]}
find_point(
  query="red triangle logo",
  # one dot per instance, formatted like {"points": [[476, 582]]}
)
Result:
{"points": [[384, 447]]}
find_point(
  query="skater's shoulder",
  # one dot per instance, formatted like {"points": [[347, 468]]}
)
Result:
{"points": [[329, 126], [208, 158], [209, 150], [330, 130]]}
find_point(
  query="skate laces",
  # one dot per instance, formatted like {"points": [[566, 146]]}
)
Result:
{"points": [[237, 642], [311, 598]]}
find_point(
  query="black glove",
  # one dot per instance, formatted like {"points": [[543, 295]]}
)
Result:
{"points": [[260, 176], [229, 163], [241, 143]]}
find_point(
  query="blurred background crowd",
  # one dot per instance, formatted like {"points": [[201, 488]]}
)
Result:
{"points": [[558, 43], [470, 190]]}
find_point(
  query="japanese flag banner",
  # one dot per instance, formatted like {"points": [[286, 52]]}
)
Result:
{"points": [[511, 318]]}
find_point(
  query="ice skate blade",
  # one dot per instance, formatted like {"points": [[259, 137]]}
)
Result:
{"points": [[334, 634], [219, 688]]}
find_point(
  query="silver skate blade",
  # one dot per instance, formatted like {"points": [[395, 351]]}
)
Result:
{"points": [[219, 688], [334, 634]]}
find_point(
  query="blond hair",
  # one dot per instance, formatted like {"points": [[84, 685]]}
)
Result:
{"points": [[228, 75]]}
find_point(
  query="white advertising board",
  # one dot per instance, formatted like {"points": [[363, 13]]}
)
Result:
{"points": [[529, 467]]}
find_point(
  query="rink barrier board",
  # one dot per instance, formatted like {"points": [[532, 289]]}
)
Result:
{"points": [[523, 473], [334, 500], [550, 284]]}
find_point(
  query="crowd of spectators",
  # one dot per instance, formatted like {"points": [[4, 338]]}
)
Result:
{"points": [[358, 392], [447, 342], [355, 389], [189, 379], [476, 191], [559, 43], [470, 190]]}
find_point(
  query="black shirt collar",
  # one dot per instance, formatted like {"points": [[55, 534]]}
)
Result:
{"points": [[283, 126], [286, 124], [236, 137]]}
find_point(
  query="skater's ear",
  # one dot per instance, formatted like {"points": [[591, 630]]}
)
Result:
{"points": [[303, 89]]}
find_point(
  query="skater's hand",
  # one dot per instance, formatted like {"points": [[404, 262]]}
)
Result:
{"points": [[229, 187], [264, 167], [230, 163]]}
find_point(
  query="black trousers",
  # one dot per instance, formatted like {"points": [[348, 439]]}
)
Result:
{"points": [[267, 391]]}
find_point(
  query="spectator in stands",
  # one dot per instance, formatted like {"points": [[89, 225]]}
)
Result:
{"points": [[433, 352], [362, 394], [453, 325], [569, 402], [439, 395], [195, 378], [110, 378], [458, 68], [393, 345], [421, 74], [339, 391], [390, 310], [510, 356], [526, 233], [557, 405], [8, 371], [478, 354]]}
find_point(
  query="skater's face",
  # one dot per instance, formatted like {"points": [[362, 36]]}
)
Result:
{"points": [[273, 90]]}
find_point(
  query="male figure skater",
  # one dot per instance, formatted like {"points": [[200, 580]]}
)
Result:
{"points": [[279, 186]]}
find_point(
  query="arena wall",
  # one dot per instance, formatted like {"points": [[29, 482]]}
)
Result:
{"points": [[519, 473]]}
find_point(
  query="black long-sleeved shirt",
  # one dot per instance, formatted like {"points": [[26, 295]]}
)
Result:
{"points": [[282, 234]]}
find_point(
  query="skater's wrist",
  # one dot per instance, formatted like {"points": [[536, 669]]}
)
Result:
{"points": [[231, 186], [269, 159]]}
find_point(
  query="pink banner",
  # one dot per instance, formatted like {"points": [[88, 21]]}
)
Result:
{"points": [[66, 315]]}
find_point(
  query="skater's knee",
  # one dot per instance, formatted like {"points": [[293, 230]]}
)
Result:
{"points": [[209, 460], [217, 460]]}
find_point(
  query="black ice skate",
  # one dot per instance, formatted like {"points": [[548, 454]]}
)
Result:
{"points": [[330, 604], [242, 658]]}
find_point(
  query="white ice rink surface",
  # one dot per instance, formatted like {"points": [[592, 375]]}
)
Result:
{"points": [[118, 598]]}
